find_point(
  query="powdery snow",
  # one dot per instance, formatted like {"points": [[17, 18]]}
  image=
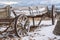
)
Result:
{"points": [[45, 32]]}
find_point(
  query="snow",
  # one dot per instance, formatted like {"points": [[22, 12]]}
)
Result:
{"points": [[33, 11], [45, 33], [1, 29]]}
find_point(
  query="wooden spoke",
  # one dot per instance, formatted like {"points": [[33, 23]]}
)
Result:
{"points": [[21, 25]]}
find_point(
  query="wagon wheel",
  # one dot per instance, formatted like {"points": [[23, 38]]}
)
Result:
{"points": [[21, 25]]}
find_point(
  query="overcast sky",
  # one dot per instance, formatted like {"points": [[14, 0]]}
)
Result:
{"points": [[9, 0], [41, 1], [34, 2]]}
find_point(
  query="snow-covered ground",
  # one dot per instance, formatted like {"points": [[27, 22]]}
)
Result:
{"points": [[45, 32]]}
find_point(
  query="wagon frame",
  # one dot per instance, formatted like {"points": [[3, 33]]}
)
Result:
{"points": [[8, 21]]}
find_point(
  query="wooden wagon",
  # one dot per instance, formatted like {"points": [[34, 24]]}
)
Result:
{"points": [[14, 23], [30, 11]]}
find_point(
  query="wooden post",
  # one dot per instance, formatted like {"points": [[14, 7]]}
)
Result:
{"points": [[37, 9], [8, 11], [30, 10], [48, 12], [52, 15]]}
